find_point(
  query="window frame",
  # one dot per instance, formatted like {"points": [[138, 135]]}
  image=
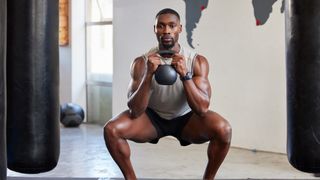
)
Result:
{"points": [[88, 82]]}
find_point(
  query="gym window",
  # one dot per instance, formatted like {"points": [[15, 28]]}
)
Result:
{"points": [[99, 59]]}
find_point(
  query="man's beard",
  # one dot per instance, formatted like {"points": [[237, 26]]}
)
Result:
{"points": [[167, 45]]}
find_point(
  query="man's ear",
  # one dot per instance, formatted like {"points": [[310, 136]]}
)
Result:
{"points": [[180, 28], [154, 29]]}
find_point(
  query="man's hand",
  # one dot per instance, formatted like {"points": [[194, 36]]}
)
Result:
{"points": [[153, 63], [179, 63]]}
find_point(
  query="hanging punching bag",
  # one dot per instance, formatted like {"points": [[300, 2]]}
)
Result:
{"points": [[33, 136], [303, 84], [3, 154]]}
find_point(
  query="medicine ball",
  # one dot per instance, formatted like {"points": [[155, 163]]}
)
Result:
{"points": [[72, 115]]}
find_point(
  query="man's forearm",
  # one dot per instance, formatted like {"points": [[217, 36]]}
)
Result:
{"points": [[197, 100]]}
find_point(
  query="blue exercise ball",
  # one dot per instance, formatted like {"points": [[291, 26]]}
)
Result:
{"points": [[72, 115]]}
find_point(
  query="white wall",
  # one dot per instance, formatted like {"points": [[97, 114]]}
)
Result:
{"points": [[78, 69], [72, 58], [247, 63], [65, 74]]}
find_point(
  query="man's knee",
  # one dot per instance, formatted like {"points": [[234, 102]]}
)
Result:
{"points": [[110, 130], [225, 132]]}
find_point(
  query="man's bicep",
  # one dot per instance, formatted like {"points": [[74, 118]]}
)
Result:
{"points": [[136, 73], [203, 85], [200, 75], [133, 86]]}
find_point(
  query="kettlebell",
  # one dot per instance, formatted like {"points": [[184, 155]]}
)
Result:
{"points": [[165, 74]]}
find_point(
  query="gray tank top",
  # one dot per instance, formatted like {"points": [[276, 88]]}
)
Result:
{"points": [[169, 101]]}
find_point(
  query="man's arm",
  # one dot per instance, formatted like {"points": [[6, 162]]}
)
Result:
{"points": [[140, 84], [197, 90]]}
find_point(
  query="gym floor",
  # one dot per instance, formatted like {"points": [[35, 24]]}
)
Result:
{"points": [[83, 154]]}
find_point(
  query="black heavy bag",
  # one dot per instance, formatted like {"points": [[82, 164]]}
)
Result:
{"points": [[303, 84], [33, 136], [3, 154]]}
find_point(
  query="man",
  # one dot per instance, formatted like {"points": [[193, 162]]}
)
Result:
{"points": [[180, 110]]}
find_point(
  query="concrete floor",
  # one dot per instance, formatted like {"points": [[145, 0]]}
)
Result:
{"points": [[83, 154]]}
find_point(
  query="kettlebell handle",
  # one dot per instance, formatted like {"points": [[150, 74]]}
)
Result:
{"points": [[167, 53]]}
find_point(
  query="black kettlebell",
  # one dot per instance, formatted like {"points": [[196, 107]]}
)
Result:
{"points": [[165, 74]]}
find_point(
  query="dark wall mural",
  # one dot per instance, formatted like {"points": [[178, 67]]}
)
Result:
{"points": [[193, 14], [263, 9], [194, 9]]}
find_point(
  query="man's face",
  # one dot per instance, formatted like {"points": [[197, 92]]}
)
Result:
{"points": [[167, 29]]}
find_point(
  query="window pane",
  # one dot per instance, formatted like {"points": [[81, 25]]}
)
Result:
{"points": [[99, 107], [99, 52], [99, 10]]}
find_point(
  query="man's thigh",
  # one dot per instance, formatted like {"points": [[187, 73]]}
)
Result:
{"points": [[202, 129], [138, 129]]}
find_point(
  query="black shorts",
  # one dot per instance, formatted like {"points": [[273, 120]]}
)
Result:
{"points": [[172, 127]]}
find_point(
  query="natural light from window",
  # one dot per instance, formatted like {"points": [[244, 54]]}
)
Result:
{"points": [[99, 38]]}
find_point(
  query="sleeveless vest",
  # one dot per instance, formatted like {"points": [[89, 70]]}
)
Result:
{"points": [[170, 101]]}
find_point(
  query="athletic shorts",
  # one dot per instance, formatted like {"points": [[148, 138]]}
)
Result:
{"points": [[172, 127]]}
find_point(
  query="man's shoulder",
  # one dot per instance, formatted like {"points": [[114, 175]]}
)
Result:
{"points": [[139, 59], [200, 56], [152, 50], [145, 55], [193, 52], [137, 64], [186, 51], [187, 48], [200, 59]]}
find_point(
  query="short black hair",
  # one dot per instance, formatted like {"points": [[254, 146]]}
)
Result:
{"points": [[168, 11]]}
